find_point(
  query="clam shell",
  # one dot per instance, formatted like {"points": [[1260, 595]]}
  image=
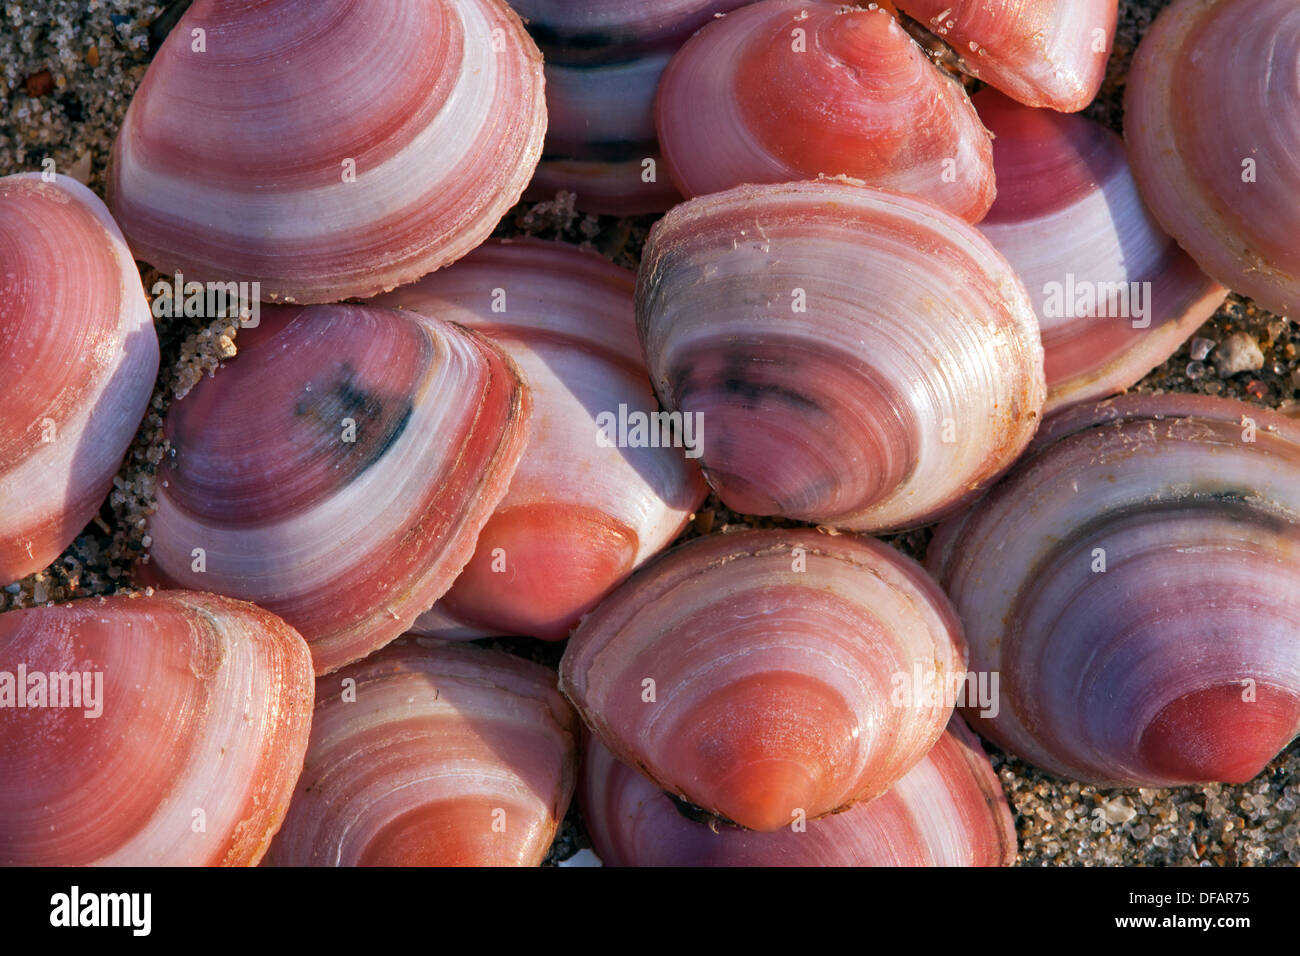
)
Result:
{"points": [[597, 31], [603, 64], [948, 810], [432, 755], [786, 90], [338, 471], [1114, 294], [1135, 582], [1049, 53], [70, 292], [323, 151], [581, 512], [757, 674], [856, 358], [601, 140], [182, 748], [1211, 126]]}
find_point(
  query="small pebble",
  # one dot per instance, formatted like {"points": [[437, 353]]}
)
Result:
{"points": [[1200, 348], [1239, 352], [39, 84], [80, 170], [1118, 810]]}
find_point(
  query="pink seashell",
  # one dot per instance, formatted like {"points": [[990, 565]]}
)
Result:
{"points": [[78, 358], [603, 63], [755, 674], [1210, 122], [1048, 53], [858, 358], [582, 512], [948, 810], [597, 31], [193, 709], [1114, 294], [427, 754], [323, 151], [338, 471], [786, 90], [1133, 579]]}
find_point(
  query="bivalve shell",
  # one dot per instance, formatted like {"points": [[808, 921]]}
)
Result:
{"points": [[584, 507], [338, 470], [757, 675], [786, 90], [1212, 122], [604, 59], [78, 358], [948, 810], [855, 357], [1114, 294], [1049, 53], [1135, 582], [325, 152], [166, 730], [433, 755]]}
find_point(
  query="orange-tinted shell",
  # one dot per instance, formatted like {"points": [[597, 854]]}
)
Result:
{"points": [[187, 732], [428, 754]]}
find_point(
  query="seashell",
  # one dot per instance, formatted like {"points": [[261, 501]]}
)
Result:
{"points": [[948, 810], [602, 31], [323, 151], [166, 730], [757, 674], [1048, 53], [603, 63], [857, 358], [601, 140], [69, 289], [1115, 295], [429, 754], [1144, 621], [1210, 122], [581, 512], [785, 90], [338, 471]]}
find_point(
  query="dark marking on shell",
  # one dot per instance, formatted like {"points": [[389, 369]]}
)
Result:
{"points": [[380, 421]]}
